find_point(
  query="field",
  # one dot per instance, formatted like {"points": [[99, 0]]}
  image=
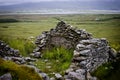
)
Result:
{"points": [[25, 26], [17, 30]]}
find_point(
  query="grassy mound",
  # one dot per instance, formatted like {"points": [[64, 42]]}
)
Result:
{"points": [[18, 72]]}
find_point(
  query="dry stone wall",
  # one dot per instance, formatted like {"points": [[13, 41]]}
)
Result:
{"points": [[5, 50], [8, 53], [63, 35], [89, 53]]}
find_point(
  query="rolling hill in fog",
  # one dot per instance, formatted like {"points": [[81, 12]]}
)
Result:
{"points": [[61, 6]]}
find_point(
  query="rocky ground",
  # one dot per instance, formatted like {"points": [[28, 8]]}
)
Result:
{"points": [[89, 53]]}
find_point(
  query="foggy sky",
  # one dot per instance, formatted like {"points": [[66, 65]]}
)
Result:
{"points": [[11, 2]]}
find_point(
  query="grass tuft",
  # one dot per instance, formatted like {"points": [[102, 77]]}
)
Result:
{"points": [[23, 45], [18, 72], [108, 71], [58, 58], [57, 53]]}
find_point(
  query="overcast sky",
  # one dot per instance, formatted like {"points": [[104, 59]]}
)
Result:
{"points": [[10, 2]]}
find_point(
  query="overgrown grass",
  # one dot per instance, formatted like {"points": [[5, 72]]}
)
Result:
{"points": [[108, 71], [18, 72], [115, 45], [16, 34], [103, 71], [25, 46], [55, 60], [57, 53]]}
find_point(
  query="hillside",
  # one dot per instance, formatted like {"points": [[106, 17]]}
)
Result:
{"points": [[66, 5]]}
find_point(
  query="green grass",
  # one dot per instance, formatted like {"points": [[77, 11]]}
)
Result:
{"points": [[16, 34], [8, 20], [59, 59], [18, 72], [103, 71], [108, 71], [108, 26], [25, 46]]}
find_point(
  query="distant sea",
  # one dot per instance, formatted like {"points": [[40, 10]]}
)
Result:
{"points": [[60, 11]]}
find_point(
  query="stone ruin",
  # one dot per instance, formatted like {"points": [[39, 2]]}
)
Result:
{"points": [[8, 53], [63, 35], [89, 53]]}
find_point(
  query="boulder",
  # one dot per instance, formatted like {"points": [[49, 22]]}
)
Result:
{"points": [[80, 47], [79, 59], [37, 54], [58, 76], [52, 78], [76, 76], [85, 52], [44, 76], [76, 53], [69, 70], [6, 76], [17, 59], [29, 59]]}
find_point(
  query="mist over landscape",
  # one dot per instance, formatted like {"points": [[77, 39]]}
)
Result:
{"points": [[60, 6]]}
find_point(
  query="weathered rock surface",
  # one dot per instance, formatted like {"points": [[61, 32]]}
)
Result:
{"points": [[5, 50], [96, 52], [79, 74], [58, 76]]}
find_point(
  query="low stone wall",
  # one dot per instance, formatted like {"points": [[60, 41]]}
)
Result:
{"points": [[88, 56], [89, 53], [8, 53], [63, 35], [6, 50]]}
